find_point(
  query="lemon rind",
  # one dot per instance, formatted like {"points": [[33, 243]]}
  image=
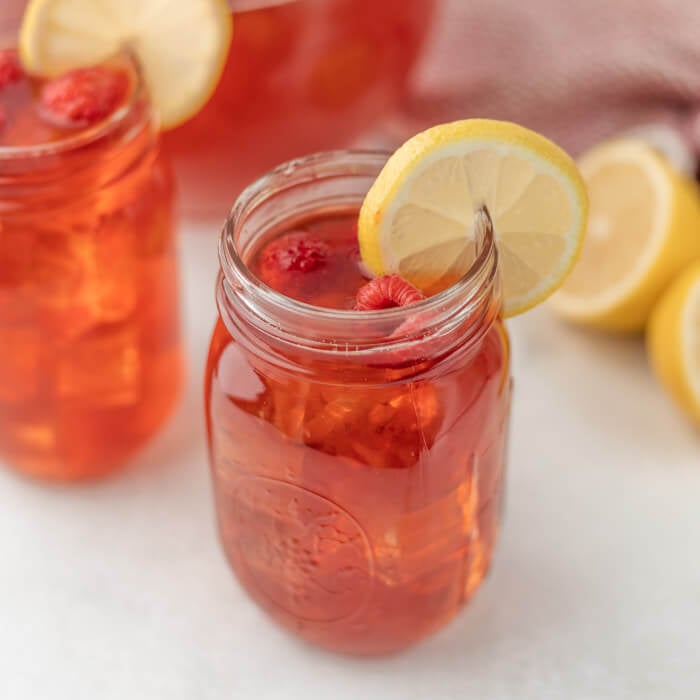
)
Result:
{"points": [[690, 340]]}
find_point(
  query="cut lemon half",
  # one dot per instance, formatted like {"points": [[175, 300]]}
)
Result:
{"points": [[418, 219], [181, 46], [643, 228], [673, 340]]}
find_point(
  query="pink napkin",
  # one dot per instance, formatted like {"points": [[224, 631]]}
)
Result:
{"points": [[576, 71]]}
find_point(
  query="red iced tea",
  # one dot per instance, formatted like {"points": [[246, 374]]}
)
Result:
{"points": [[90, 358], [301, 75], [357, 457]]}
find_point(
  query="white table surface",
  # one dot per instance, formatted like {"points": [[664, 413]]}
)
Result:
{"points": [[119, 589]]}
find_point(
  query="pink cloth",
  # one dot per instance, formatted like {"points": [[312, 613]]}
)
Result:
{"points": [[576, 71]]}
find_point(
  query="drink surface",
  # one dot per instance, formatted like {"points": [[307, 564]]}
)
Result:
{"points": [[89, 335], [301, 76], [28, 117], [360, 507], [335, 273]]}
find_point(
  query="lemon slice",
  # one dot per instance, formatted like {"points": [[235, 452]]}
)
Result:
{"points": [[418, 218], [673, 340], [643, 228], [181, 46]]}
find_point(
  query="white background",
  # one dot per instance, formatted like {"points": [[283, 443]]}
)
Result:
{"points": [[119, 589]]}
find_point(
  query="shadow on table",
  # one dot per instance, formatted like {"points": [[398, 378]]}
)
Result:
{"points": [[180, 444], [510, 611], [601, 387]]}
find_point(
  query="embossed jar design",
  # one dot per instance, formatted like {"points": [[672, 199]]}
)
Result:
{"points": [[358, 476]]}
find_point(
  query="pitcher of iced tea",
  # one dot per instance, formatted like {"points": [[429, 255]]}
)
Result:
{"points": [[301, 75]]}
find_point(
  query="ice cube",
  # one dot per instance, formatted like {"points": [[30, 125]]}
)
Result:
{"points": [[84, 276], [401, 427], [385, 427], [20, 355], [62, 266], [113, 285], [289, 399], [442, 529], [159, 308], [27, 435], [325, 425], [102, 367], [16, 248]]}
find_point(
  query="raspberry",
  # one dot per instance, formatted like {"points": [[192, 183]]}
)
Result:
{"points": [[10, 68], [386, 292], [295, 252], [84, 96]]}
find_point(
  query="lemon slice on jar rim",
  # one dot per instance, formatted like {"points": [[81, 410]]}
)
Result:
{"points": [[181, 46], [418, 219]]}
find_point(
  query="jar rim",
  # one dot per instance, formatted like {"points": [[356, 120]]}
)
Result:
{"points": [[243, 288], [89, 135]]}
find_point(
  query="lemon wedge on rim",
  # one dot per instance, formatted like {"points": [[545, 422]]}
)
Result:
{"points": [[181, 46], [418, 219]]}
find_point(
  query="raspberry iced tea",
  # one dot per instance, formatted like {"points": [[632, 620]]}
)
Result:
{"points": [[301, 75], [90, 356], [357, 430]]}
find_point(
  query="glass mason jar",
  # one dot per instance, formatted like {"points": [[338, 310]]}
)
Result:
{"points": [[90, 353], [301, 75], [358, 472]]}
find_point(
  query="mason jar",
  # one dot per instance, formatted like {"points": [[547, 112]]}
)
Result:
{"points": [[90, 348], [358, 471]]}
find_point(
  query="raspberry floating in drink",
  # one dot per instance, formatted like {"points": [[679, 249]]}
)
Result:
{"points": [[84, 96], [295, 252], [39, 110]]}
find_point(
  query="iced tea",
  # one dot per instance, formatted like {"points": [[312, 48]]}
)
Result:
{"points": [[358, 457], [90, 357]]}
